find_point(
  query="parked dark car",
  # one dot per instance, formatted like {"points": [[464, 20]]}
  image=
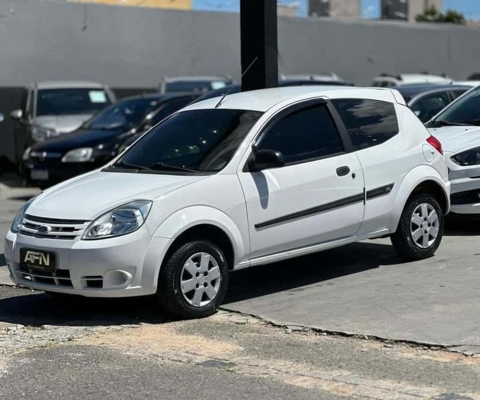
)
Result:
{"points": [[98, 140], [426, 101]]}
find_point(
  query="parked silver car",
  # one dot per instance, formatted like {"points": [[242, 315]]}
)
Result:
{"points": [[50, 109]]}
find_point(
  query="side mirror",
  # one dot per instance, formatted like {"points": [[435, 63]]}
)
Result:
{"points": [[2, 117], [267, 159], [16, 114]]}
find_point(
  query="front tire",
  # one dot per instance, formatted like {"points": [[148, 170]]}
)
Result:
{"points": [[193, 281], [420, 230]]}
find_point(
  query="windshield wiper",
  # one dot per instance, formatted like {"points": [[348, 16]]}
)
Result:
{"points": [[160, 165], [448, 123], [123, 164]]}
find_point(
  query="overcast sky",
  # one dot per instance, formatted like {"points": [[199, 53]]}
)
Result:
{"points": [[371, 8]]}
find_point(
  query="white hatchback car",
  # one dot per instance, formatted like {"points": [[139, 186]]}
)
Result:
{"points": [[458, 128], [225, 184]]}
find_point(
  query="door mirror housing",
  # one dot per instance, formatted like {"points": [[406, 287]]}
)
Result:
{"points": [[2, 117], [267, 159], [16, 114]]}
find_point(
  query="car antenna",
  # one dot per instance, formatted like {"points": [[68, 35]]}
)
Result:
{"points": [[231, 86]]}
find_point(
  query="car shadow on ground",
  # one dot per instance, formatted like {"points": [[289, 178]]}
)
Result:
{"points": [[462, 225], [38, 309], [319, 268]]}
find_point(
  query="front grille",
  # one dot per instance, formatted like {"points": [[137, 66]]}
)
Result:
{"points": [[469, 197], [63, 229], [60, 278]]}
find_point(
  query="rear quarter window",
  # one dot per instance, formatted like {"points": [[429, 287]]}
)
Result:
{"points": [[368, 122]]}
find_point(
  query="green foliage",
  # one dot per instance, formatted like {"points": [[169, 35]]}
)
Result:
{"points": [[433, 15]]}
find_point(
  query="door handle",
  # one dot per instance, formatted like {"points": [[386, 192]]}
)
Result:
{"points": [[342, 171]]}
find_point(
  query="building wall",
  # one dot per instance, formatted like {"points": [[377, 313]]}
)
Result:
{"points": [[340, 9], [345, 9], [407, 9], [136, 47], [416, 7]]}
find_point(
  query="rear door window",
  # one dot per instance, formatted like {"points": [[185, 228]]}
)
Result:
{"points": [[368, 122]]}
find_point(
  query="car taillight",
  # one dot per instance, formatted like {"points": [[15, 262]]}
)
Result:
{"points": [[435, 143]]}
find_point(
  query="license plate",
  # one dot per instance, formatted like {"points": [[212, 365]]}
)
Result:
{"points": [[39, 174], [41, 261]]}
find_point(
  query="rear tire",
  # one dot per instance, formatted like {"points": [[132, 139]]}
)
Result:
{"points": [[193, 281], [420, 229]]}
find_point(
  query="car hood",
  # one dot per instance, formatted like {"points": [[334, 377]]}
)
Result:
{"points": [[89, 196], [78, 139], [62, 123], [456, 139]]}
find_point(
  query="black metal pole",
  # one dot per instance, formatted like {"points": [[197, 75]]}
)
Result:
{"points": [[258, 24]]}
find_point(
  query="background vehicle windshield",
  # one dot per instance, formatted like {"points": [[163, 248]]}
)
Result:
{"points": [[464, 111], [71, 101], [123, 114], [200, 140], [194, 86]]}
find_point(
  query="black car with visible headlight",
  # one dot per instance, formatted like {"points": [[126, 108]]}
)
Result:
{"points": [[97, 141]]}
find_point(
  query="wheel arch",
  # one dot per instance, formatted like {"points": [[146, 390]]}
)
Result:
{"points": [[424, 179], [202, 222]]}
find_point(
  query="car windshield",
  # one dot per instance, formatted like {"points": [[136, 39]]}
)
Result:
{"points": [[71, 101], [464, 111], [194, 86], [123, 114], [191, 141]]}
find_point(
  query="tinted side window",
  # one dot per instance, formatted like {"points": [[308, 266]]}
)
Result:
{"points": [[426, 107], [368, 122], [304, 135]]}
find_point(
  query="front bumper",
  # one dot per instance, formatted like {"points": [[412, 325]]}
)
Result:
{"points": [[125, 266], [465, 187]]}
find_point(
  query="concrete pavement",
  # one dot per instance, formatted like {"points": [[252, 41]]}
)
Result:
{"points": [[365, 289]]}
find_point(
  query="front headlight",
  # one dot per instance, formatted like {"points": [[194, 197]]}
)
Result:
{"points": [[17, 221], [40, 133], [78, 155], [469, 157], [120, 221]]}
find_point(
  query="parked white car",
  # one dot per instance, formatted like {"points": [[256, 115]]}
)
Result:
{"points": [[393, 81], [458, 128], [230, 183]]}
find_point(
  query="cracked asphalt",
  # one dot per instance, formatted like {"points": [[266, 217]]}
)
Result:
{"points": [[349, 323], [99, 349]]}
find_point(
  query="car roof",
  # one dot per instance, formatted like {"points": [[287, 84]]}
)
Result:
{"points": [[262, 100], [68, 85]]}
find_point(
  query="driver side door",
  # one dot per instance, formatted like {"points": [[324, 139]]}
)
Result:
{"points": [[317, 196]]}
